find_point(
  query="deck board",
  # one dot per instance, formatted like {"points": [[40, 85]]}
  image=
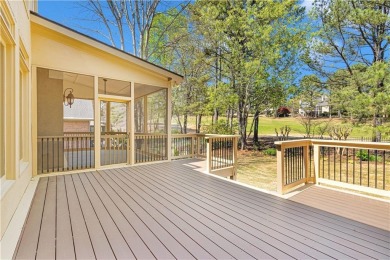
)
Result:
{"points": [[248, 223], [187, 242], [299, 224], [122, 200], [30, 236], [138, 247], [81, 239], [47, 237], [64, 241], [170, 210], [117, 242], [218, 222], [100, 243]]}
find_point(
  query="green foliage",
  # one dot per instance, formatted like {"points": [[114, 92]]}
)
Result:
{"points": [[349, 52], [270, 152], [221, 127], [252, 48], [363, 155]]}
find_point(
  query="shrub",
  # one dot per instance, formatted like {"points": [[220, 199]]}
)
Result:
{"points": [[270, 152], [363, 155]]}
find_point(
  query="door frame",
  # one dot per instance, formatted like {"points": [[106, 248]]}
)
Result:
{"points": [[97, 129]]}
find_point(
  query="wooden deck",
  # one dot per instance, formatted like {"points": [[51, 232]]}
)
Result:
{"points": [[170, 210]]}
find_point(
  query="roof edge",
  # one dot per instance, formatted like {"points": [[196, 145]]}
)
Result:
{"points": [[106, 45]]}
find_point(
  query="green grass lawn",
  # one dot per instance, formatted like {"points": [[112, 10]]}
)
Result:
{"points": [[268, 125]]}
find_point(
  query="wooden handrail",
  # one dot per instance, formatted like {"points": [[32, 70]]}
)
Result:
{"points": [[345, 155]]}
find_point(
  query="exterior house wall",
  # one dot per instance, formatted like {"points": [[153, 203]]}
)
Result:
{"points": [[78, 57], [31, 43], [16, 37], [49, 104], [76, 126]]}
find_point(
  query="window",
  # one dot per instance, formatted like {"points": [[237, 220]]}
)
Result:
{"points": [[2, 112], [23, 115]]}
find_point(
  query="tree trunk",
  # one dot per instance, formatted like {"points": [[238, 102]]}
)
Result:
{"points": [[185, 119], [242, 123], [256, 127], [215, 116], [198, 123]]}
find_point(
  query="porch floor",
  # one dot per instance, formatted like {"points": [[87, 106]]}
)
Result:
{"points": [[170, 210]]}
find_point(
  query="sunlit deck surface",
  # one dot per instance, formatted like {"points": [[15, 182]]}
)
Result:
{"points": [[171, 210]]}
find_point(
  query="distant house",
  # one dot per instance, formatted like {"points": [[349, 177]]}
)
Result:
{"points": [[321, 108], [80, 117]]}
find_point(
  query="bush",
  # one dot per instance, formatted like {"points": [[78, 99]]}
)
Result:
{"points": [[363, 155], [270, 152], [221, 127]]}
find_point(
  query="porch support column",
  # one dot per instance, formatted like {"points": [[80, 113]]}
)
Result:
{"points": [[132, 125], [168, 120], [34, 120], [146, 114], [97, 121]]}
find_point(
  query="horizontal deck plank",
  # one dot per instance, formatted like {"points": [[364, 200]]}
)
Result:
{"points": [[328, 241], [64, 241], [171, 210], [100, 243], [138, 247], [115, 238], [81, 238], [30, 236], [47, 238]]}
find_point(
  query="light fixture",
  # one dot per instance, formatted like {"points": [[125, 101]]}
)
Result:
{"points": [[68, 99]]}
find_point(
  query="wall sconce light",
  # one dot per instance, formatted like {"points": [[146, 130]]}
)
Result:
{"points": [[68, 99]]}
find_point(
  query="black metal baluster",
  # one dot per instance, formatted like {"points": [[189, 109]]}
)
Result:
{"points": [[341, 156], [323, 160], [52, 147], [347, 164], [368, 168], [384, 170], [328, 162], [334, 163], [376, 168], [58, 153], [353, 168], [47, 155], [360, 157]]}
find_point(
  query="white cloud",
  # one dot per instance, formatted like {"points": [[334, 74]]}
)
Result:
{"points": [[308, 4]]}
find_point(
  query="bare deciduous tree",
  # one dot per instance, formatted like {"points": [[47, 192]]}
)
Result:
{"points": [[121, 16]]}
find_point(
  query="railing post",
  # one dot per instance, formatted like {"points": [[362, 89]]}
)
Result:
{"points": [[316, 162], [198, 145], [306, 159], [209, 141], [193, 140], [235, 144], [280, 168]]}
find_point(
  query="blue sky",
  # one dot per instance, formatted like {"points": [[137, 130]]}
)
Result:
{"points": [[71, 14]]}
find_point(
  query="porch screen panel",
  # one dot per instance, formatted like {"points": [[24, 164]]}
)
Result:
{"points": [[157, 112], [65, 131]]}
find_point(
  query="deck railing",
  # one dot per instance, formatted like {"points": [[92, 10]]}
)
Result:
{"points": [[65, 153], [74, 151], [342, 163], [222, 155], [150, 147], [188, 146], [113, 148]]}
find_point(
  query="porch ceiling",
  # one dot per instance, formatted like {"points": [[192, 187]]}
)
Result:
{"points": [[170, 210]]}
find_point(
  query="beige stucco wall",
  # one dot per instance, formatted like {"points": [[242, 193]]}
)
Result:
{"points": [[56, 51], [18, 173], [49, 104]]}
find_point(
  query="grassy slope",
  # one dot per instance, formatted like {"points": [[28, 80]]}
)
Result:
{"points": [[268, 125]]}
